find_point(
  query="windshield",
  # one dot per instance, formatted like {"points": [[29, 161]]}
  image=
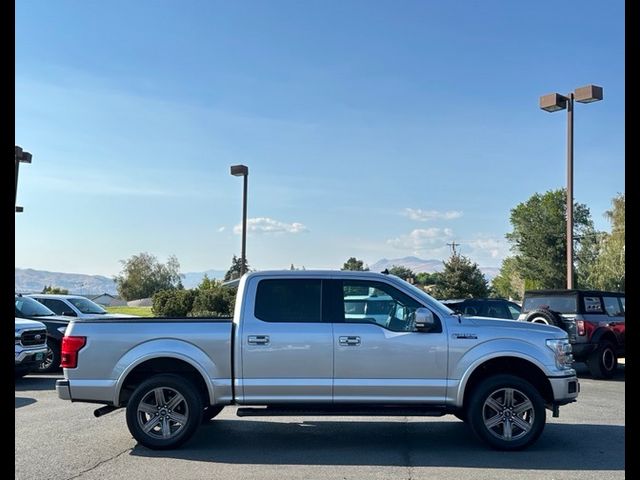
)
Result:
{"points": [[87, 306], [28, 307]]}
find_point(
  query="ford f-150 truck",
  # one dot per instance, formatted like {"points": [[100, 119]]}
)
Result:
{"points": [[291, 348]]}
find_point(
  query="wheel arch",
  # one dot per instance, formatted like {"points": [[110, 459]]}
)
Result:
{"points": [[516, 365], [164, 356]]}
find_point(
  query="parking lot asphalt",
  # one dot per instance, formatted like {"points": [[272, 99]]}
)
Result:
{"points": [[56, 439]]}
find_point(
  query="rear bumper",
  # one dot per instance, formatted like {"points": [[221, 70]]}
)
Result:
{"points": [[63, 390], [565, 389]]}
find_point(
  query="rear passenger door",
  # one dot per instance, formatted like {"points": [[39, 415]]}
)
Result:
{"points": [[286, 349]]}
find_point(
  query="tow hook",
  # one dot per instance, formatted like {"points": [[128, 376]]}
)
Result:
{"points": [[104, 410], [556, 410]]}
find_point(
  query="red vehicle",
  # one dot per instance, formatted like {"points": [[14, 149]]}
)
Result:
{"points": [[593, 319]]}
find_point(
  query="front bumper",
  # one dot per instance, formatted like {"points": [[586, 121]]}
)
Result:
{"points": [[62, 389], [26, 357], [565, 389]]}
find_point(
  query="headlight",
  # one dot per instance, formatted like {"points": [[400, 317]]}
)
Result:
{"points": [[562, 352]]}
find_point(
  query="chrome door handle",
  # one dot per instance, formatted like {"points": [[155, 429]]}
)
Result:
{"points": [[258, 339], [349, 341]]}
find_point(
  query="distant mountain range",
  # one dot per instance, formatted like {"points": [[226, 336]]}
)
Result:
{"points": [[28, 280], [418, 265]]}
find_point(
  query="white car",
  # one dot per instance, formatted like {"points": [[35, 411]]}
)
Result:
{"points": [[74, 306]]}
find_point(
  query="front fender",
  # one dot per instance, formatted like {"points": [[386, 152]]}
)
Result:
{"points": [[479, 354], [165, 348]]}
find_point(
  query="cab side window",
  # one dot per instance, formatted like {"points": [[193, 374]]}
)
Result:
{"points": [[383, 304]]}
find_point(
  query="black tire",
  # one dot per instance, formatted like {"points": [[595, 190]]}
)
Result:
{"points": [[51, 362], [603, 362], [211, 411], [545, 316], [176, 411], [492, 416]]}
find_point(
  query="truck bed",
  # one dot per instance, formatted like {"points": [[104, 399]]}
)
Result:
{"points": [[116, 346]]}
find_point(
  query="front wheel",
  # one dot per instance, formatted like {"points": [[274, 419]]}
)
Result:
{"points": [[164, 412], [51, 362], [507, 412], [603, 362]]}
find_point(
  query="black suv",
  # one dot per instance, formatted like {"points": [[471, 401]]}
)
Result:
{"points": [[593, 319], [485, 307]]}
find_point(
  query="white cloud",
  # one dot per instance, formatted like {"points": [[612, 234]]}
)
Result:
{"points": [[421, 239], [222, 229], [426, 215], [262, 225], [488, 249]]}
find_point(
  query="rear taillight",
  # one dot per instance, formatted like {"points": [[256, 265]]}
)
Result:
{"points": [[70, 348], [580, 327]]}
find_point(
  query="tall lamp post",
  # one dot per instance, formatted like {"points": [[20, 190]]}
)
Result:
{"points": [[242, 171], [21, 157], [554, 102]]}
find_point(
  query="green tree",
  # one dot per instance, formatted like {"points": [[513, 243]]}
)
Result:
{"points": [[508, 284], [234, 270], [539, 239], [142, 276], [401, 271], [218, 301], [207, 283], [608, 271], [173, 302], [425, 279], [461, 278], [55, 290], [354, 264]]}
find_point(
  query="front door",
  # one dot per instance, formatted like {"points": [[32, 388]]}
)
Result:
{"points": [[287, 351], [379, 356]]}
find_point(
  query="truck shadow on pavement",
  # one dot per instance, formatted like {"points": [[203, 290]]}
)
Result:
{"points": [[395, 443], [24, 401]]}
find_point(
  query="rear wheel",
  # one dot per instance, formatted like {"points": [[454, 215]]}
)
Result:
{"points": [[603, 362], [507, 412], [164, 412]]}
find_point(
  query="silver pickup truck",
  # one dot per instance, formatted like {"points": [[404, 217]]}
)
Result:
{"points": [[298, 345]]}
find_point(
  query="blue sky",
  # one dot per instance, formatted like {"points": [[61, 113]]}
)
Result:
{"points": [[371, 128]]}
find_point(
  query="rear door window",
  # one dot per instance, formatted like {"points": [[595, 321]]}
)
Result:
{"points": [[290, 300], [555, 303], [612, 306]]}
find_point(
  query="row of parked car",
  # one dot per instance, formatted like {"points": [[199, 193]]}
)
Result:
{"points": [[594, 321], [41, 320]]}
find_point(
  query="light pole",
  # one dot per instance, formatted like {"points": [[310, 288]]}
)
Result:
{"points": [[552, 103], [242, 171], [21, 157]]}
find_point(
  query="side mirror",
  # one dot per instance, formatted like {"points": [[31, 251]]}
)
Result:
{"points": [[424, 319], [69, 313]]}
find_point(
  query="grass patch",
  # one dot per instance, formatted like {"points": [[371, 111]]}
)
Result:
{"points": [[140, 311]]}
